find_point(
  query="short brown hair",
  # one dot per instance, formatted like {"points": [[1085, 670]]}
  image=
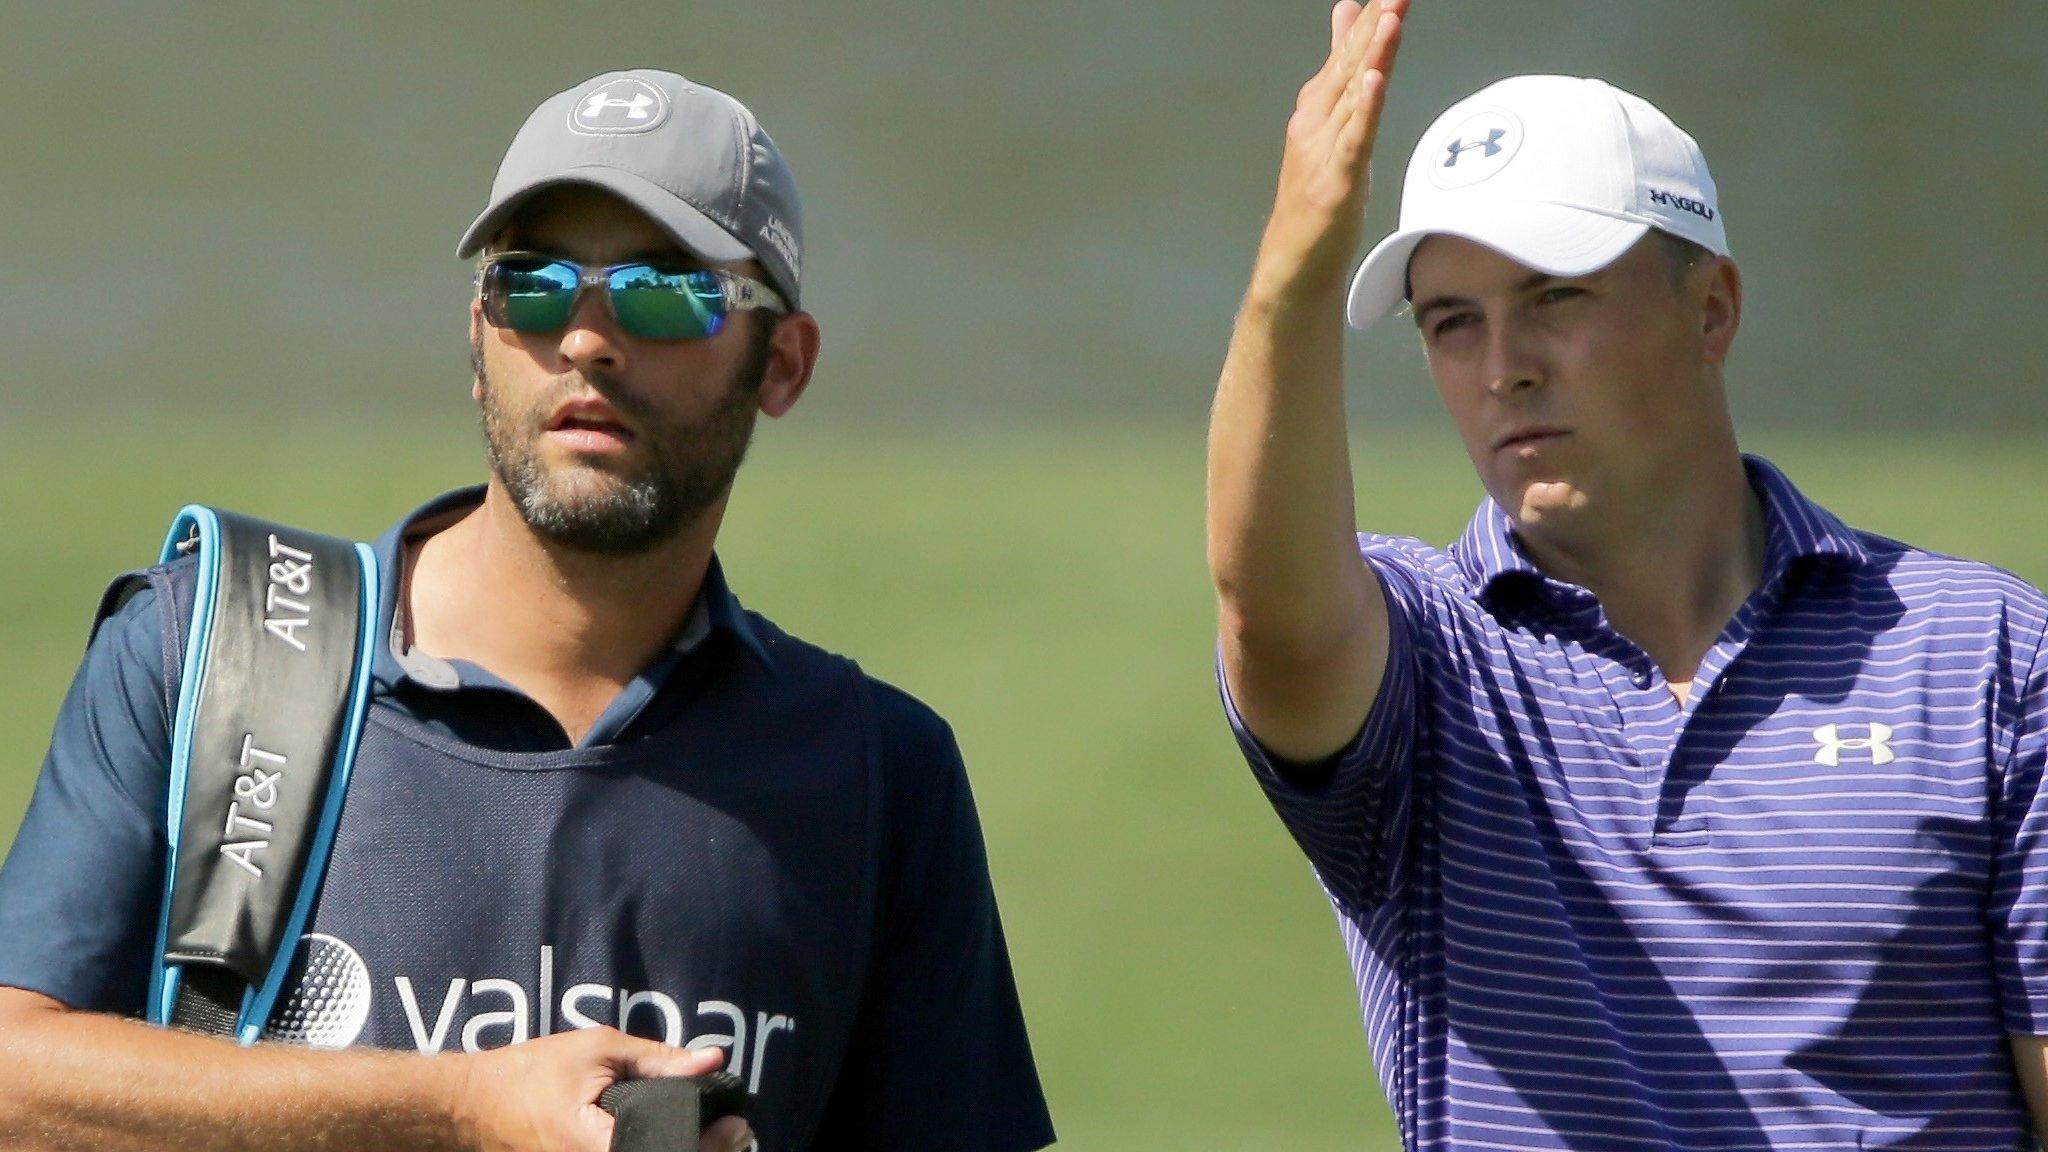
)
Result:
{"points": [[1681, 255]]}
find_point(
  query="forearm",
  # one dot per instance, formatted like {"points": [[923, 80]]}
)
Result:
{"points": [[1304, 627], [75, 1080], [1281, 518]]}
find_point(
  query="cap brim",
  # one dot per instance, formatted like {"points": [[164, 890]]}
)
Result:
{"points": [[692, 229], [1557, 239]]}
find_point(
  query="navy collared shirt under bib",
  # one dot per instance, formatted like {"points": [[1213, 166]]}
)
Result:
{"points": [[1801, 910], [758, 848]]}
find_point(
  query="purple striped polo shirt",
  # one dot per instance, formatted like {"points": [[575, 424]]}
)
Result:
{"points": [[1801, 911]]}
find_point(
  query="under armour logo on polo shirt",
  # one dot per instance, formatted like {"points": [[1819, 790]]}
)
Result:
{"points": [[1832, 745]]}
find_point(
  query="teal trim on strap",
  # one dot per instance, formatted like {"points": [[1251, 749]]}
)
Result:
{"points": [[193, 519], [258, 1004]]}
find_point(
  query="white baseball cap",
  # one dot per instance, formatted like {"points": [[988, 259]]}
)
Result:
{"points": [[1558, 173]]}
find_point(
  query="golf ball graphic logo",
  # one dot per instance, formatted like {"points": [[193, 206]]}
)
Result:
{"points": [[327, 998]]}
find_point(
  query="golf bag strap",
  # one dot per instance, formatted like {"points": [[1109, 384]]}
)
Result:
{"points": [[271, 693]]}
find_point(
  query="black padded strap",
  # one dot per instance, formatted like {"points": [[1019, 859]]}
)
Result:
{"points": [[667, 1114], [209, 1001], [270, 717]]}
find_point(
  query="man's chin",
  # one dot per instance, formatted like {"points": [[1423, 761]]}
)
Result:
{"points": [[592, 509], [600, 531], [1548, 502], [580, 484]]}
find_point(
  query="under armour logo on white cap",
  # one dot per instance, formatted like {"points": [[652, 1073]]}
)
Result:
{"points": [[1832, 745], [1491, 144], [1480, 146], [625, 105]]}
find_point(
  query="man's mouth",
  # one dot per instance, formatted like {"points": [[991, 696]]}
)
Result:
{"points": [[1529, 437], [589, 426]]}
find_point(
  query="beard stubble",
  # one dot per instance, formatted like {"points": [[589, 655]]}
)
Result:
{"points": [[685, 463]]}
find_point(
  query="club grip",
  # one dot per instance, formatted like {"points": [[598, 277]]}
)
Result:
{"points": [[668, 1113]]}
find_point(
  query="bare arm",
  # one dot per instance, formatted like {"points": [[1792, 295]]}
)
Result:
{"points": [[1302, 620], [78, 1080], [2030, 1061]]}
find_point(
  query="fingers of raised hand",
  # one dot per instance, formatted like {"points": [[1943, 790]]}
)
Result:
{"points": [[1342, 15], [1367, 87], [1360, 40], [1322, 89], [1384, 42], [1359, 109]]}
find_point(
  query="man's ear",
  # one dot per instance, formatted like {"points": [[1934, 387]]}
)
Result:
{"points": [[792, 354], [1720, 308]]}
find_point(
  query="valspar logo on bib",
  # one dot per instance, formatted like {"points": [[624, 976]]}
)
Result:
{"points": [[331, 994]]}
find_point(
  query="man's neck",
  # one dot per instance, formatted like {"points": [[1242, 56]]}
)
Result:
{"points": [[568, 628], [1675, 567]]}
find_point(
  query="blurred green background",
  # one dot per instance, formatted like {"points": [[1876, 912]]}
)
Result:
{"points": [[1044, 590], [229, 277]]}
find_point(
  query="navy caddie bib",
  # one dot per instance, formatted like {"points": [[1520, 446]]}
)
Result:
{"points": [[711, 883]]}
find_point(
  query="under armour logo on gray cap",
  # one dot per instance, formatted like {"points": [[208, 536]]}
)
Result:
{"points": [[628, 104], [691, 157]]}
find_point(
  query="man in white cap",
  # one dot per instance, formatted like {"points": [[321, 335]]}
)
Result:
{"points": [[1661, 809], [604, 822]]}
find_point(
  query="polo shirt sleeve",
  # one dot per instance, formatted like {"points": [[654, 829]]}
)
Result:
{"points": [[1349, 814], [80, 890], [938, 1059], [2018, 908]]}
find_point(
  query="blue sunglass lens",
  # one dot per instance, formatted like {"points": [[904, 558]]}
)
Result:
{"points": [[649, 302], [530, 295], [666, 304]]}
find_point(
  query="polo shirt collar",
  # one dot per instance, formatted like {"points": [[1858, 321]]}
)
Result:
{"points": [[726, 615], [1795, 528], [716, 610]]}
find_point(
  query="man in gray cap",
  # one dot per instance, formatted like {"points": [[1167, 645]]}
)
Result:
{"points": [[604, 823]]}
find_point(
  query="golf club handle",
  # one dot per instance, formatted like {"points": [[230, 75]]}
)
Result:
{"points": [[669, 1113]]}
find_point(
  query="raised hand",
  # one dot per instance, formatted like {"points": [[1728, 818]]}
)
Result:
{"points": [[1319, 211], [1303, 625]]}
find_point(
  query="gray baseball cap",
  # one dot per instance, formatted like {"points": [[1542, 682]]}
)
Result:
{"points": [[691, 157]]}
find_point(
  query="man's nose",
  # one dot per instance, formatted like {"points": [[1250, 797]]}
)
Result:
{"points": [[592, 338], [1513, 360]]}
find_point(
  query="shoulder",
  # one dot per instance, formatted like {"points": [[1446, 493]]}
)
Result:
{"points": [[1954, 610], [910, 735], [913, 737], [925, 803], [1424, 585], [1942, 587], [136, 632], [1407, 552], [1410, 561], [136, 599]]}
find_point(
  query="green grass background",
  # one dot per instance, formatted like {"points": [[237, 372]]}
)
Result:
{"points": [[1046, 592]]}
